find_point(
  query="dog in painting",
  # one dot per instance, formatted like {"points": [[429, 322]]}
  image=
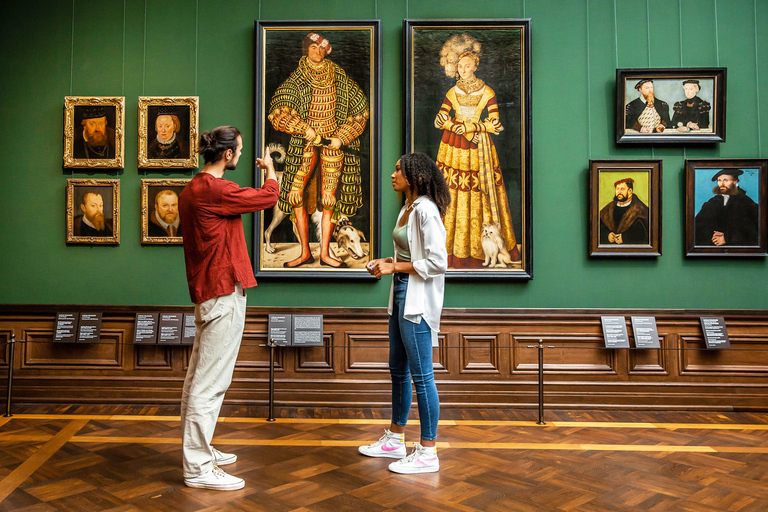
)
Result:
{"points": [[496, 254]]}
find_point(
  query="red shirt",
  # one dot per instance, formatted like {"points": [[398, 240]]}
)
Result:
{"points": [[214, 244]]}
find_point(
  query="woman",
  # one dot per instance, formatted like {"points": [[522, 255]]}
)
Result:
{"points": [[468, 159], [167, 144], [415, 304]]}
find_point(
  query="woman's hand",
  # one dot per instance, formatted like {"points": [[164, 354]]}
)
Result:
{"points": [[381, 267]]}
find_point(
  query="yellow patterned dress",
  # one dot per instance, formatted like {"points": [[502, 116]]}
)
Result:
{"points": [[471, 168]]}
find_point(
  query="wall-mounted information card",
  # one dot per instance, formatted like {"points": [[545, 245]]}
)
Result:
{"points": [[169, 328], [146, 329], [280, 329], [308, 330], [645, 332], [715, 333], [615, 331], [66, 327], [188, 337], [89, 328]]}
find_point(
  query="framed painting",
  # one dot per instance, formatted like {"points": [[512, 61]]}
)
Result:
{"points": [[160, 211], [725, 207], [317, 107], [670, 105], [94, 128], [168, 129], [625, 208], [468, 106], [93, 211]]}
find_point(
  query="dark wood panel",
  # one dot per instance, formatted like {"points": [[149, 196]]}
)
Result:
{"points": [[482, 360]]}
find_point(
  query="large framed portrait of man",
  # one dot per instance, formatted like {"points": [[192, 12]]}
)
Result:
{"points": [[160, 222], [468, 106], [168, 132], [625, 208], [93, 211], [670, 105], [725, 207], [317, 107], [94, 128]]}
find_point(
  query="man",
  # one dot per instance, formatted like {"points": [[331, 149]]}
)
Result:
{"points": [[325, 112], [729, 218], [92, 222], [647, 114], [693, 113], [218, 272], [625, 219], [97, 141], [164, 220]]}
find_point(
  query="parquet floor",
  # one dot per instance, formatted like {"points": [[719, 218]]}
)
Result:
{"points": [[129, 458]]}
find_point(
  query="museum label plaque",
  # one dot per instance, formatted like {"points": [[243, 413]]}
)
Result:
{"points": [[308, 330], [66, 327], [715, 333], [645, 332], [146, 329], [89, 328], [169, 328], [280, 329], [615, 331], [188, 336]]}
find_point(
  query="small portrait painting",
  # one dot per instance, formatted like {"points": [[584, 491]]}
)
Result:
{"points": [[93, 132], [625, 208], [167, 132], [93, 211], [727, 203], [670, 105], [160, 223]]}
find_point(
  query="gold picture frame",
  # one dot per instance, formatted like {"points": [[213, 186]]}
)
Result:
{"points": [[89, 121], [160, 211], [93, 211], [180, 123]]}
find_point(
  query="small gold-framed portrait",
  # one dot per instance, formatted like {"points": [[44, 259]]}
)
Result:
{"points": [[93, 211], [168, 132], [160, 223], [94, 128]]}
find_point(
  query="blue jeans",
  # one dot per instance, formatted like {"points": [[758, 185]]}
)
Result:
{"points": [[410, 353]]}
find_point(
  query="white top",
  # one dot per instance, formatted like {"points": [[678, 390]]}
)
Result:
{"points": [[426, 239]]}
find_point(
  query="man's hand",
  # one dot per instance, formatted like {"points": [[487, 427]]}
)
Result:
{"points": [[309, 135], [718, 238], [644, 130], [615, 238], [265, 162], [335, 143]]}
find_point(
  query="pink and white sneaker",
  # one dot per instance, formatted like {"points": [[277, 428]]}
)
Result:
{"points": [[421, 460], [390, 444]]}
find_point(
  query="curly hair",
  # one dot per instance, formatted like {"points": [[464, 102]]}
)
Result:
{"points": [[455, 48], [426, 178], [215, 143]]}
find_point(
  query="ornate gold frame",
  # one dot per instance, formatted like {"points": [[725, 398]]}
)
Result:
{"points": [[174, 184], [192, 102], [72, 184], [70, 103]]}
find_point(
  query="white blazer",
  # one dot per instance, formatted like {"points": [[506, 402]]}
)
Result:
{"points": [[426, 241]]}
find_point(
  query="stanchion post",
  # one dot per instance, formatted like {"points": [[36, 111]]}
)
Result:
{"points": [[541, 348], [12, 344], [271, 346]]}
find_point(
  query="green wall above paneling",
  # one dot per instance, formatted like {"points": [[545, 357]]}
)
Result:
{"points": [[52, 49]]}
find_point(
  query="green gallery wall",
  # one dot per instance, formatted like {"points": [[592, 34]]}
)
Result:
{"points": [[57, 48]]}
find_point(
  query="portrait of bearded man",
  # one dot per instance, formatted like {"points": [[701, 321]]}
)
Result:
{"points": [[731, 217], [96, 139], [625, 219], [92, 221], [647, 114]]}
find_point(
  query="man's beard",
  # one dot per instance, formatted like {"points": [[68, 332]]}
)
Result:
{"points": [[732, 191], [169, 218], [97, 221], [97, 139], [649, 98], [620, 198], [230, 166]]}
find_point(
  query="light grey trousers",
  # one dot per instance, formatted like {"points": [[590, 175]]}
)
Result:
{"points": [[219, 326]]}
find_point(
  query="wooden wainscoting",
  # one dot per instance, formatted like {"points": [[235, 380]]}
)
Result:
{"points": [[483, 360]]}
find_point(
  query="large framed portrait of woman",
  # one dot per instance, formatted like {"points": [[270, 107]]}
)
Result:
{"points": [[468, 106], [317, 105]]}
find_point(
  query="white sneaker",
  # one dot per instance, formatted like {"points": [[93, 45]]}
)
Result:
{"points": [[222, 459], [421, 460], [390, 444], [216, 480]]}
